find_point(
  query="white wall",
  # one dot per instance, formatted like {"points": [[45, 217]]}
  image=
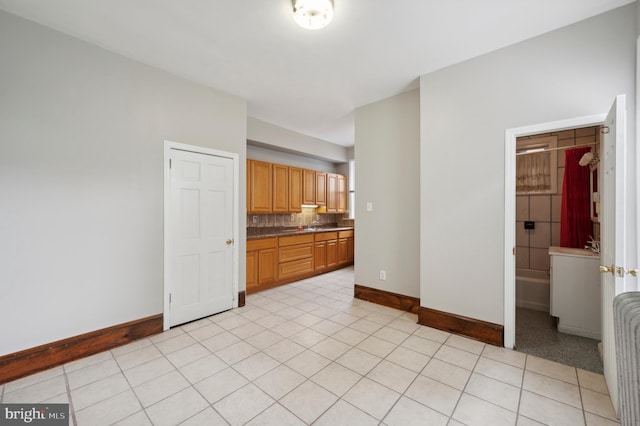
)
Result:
{"points": [[81, 181], [284, 139], [387, 148], [262, 153], [465, 110]]}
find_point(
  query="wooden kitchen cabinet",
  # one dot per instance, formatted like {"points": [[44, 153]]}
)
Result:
{"points": [[321, 189], [262, 264], [345, 247], [325, 251], [295, 189], [260, 187], [280, 260], [276, 188], [342, 194], [280, 188], [336, 193], [295, 255], [332, 190], [309, 186]]}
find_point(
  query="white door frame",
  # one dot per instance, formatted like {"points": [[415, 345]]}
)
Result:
{"points": [[168, 146], [510, 136]]}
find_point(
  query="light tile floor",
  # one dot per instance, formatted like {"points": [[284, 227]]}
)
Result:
{"points": [[309, 353]]}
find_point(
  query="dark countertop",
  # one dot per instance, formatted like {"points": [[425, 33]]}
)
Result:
{"points": [[259, 233]]}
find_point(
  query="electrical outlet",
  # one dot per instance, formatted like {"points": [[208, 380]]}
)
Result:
{"points": [[383, 274], [293, 217], [255, 219]]}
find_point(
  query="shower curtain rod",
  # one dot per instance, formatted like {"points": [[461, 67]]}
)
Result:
{"points": [[538, 150]]}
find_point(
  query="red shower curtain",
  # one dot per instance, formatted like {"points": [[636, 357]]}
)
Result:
{"points": [[575, 219]]}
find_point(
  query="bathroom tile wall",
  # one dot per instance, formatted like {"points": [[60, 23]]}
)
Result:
{"points": [[532, 250]]}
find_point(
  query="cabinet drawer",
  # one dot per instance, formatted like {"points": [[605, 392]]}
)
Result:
{"points": [[299, 251], [296, 267], [264, 243], [345, 234], [295, 239], [326, 236]]}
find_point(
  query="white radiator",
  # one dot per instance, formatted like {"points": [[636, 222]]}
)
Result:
{"points": [[626, 320]]}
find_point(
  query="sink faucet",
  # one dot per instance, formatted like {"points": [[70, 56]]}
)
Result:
{"points": [[593, 245], [313, 225]]}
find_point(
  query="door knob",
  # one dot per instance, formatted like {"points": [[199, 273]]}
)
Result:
{"points": [[633, 272], [229, 242], [605, 269]]}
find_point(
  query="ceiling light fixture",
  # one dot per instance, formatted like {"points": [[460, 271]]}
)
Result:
{"points": [[313, 14]]}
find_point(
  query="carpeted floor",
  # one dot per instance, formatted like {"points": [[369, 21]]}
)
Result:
{"points": [[536, 334]]}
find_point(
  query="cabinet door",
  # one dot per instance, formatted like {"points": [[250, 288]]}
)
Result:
{"points": [[280, 188], [252, 270], [309, 186], [267, 266], [350, 250], [320, 255], [343, 248], [321, 189], [342, 194], [332, 190], [260, 198], [332, 253], [295, 189]]}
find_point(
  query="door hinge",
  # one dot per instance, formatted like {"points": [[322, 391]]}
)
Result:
{"points": [[169, 298], [169, 162]]}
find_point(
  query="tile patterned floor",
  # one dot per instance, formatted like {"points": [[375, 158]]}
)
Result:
{"points": [[308, 353]]}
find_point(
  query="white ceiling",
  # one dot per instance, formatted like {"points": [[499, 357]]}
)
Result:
{"points": [[306, 81]]}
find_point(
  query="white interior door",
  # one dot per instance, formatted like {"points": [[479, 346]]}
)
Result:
{"points": [[200, 232], [612, 172]]}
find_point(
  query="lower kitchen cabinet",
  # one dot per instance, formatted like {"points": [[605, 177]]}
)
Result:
{"points": [[281, 260], [295, 256], [262, 263], [325, 252], [345, 247]]}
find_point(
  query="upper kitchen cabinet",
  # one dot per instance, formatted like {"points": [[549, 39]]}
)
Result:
{"points": [[259, 187], [336, 193], [342, 194], [321, 189], [296, 184], [276, 188], [280, 188], [309, 186]]}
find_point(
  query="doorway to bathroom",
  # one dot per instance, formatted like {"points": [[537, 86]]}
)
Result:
{"points": [[545, 180]]}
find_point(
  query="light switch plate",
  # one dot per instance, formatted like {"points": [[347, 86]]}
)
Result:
{"points": [[369, 206]]}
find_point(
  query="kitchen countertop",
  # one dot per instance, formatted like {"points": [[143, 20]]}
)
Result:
{"points": [[287, 231]]}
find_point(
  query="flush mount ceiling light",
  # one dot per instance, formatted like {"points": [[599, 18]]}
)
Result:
{"points": [[313, 14]]}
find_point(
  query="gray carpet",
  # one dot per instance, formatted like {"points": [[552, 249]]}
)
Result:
{"points": [[536, 334]]}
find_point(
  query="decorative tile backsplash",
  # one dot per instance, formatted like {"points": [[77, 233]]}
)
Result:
{"points": [[305, 218]]}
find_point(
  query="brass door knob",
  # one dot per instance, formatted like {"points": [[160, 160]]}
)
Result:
{"points": [[229, 242], [605, 269]]}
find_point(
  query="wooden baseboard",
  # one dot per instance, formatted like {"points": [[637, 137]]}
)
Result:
{"points": [[387, 298], [241, 298], [29, 361], [483, 331]]}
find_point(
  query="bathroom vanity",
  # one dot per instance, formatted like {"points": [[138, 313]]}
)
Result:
{"points": [[575, 291]]}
